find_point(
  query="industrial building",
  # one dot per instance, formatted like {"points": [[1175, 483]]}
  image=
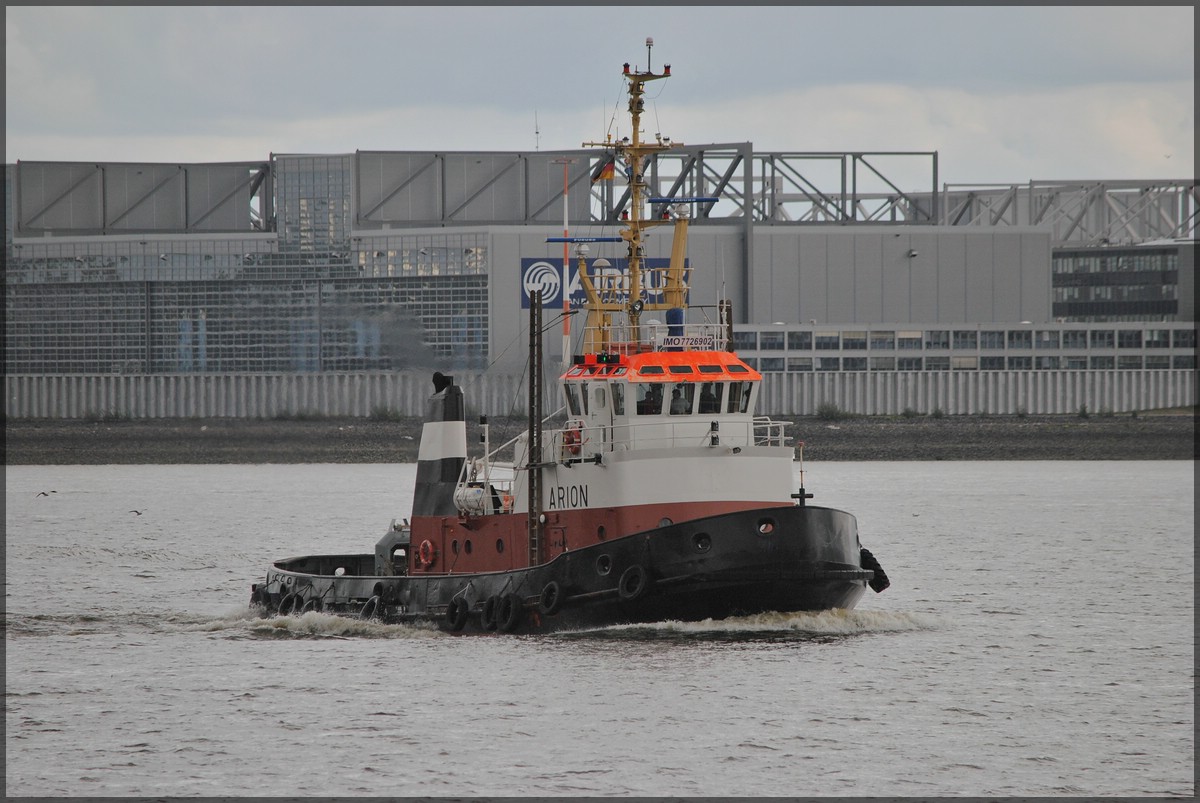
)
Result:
{"points": [[336, 283]]}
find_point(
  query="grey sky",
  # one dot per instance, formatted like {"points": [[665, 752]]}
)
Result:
{"points": [[1004, 94]]}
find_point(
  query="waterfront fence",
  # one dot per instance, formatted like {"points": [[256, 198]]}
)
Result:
{"points": [[381, 394]]}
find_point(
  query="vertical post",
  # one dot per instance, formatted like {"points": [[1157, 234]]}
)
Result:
{"points": [[534, 461], [566, 263]]}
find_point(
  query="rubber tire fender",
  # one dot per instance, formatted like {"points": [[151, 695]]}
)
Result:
{"points": [[487, 617], [551, 600], [508, 615], [632, 583], [370, 608], [456, 613], [287, 605]]}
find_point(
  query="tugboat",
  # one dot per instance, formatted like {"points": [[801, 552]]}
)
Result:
{"points": [[659, 495]]}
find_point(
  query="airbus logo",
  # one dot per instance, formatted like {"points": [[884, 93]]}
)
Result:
{"points": [[542, 276]]}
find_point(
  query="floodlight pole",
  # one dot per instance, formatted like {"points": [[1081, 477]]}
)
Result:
{"points": [[566, 267]]}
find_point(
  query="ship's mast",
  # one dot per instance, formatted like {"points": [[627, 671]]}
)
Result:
{"points": [[636, 154]]}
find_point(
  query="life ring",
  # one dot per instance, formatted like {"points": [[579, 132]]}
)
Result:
{"points": [[571, 440], [487, 616], [632, 583], [426, 553], [288, 604], [551, 600], [509, 613], [313, 604], [456, 613], [370, 609]]}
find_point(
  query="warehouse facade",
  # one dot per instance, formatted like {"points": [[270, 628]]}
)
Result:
{"points": [[375, 263]]}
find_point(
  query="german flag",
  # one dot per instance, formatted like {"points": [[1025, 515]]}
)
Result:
{"points": [[605, 170]]}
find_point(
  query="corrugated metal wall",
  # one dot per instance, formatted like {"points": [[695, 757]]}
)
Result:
{"points": [[371, 394]]}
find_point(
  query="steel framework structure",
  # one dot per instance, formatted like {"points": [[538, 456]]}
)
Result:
{"points": [[1080, 213]]}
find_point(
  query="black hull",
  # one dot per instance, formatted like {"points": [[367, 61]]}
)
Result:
{"points": [[799, 558]]}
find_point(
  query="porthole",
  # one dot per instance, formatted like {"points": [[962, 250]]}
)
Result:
{"points": [[454, 546], [665, 522], [766, 526], [499, 544], [601, 533], [603, 565], [467, 546], [702, 541]]}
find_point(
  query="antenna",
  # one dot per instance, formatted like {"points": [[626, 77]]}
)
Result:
{"points": [[537, 134]]}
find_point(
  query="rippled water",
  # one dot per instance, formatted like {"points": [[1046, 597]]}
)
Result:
{"points": [[1037, 640]]}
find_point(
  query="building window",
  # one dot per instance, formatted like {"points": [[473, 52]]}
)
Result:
{"points": [[964, 363], [1075, 363], [770, 341], [1183, 361], [799, 363], [1074, 339], [829, 364], [991, 363], [854, 364], [1129, 339], [799, 341], [1158, 361], [1020, 339], [1184, 338], [751, 361], [770, 364], [909, 363], [883, 341], [1046, 339], [828, 341], [1129, 361], [883, 363], [1158, 339], [1101, 338], [1102, 363], [1046, 363], [937, 339], [908, 341], [745, 341], [937, 363], [854, 341], [1020, 363], [965, 339], [991, 340]]}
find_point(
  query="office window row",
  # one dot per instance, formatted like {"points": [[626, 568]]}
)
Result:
{"points": [[965, 340], [974, 363]]}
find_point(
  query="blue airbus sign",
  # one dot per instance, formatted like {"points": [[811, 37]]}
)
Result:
{"points": [[543, 274]]}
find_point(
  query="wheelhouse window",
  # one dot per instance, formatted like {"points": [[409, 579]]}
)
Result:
{"points": [[682, 396], [710, 397], [649, 398], [618, 398], [572, 394], [738, 400]]}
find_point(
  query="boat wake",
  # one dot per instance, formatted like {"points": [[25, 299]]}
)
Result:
{"points": [[240, 623], [815, 626]]}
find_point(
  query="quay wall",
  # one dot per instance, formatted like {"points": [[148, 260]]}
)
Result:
{"points": [[368, 395]]}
